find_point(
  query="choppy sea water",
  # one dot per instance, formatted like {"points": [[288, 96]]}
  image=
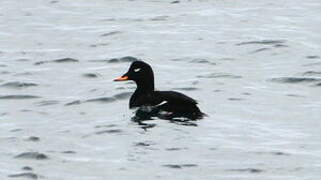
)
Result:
{"points": [[254, 67]]}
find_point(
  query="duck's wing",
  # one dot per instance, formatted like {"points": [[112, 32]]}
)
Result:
{"points": [[177, 105], [174, 97], [171, 99], [168, 105]]}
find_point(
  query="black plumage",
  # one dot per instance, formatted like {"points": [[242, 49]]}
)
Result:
{"points": [[162, 104]]}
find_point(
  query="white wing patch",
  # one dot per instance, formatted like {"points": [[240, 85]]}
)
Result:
{"points": [[163, 102], [137, 69]]}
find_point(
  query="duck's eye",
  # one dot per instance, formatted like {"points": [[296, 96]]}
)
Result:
{"points": [[137, 69]]}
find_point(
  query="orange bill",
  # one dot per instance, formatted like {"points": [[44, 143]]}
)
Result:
{"points": [[122, 78]]}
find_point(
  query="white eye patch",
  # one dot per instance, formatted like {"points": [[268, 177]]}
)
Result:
{"points": [[137, 69]]}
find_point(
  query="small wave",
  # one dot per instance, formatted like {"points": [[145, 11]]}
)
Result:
{"points": [[280, 45], [175, 2], [111, 33], [27, 168], [63, 60], [119, 96], [186, 89], [142, 144], [18, 85], [235, 99], [24, 74], [76, 102], [295, 79], [47, 102], [313, 57], [102, 99], [105, 126], [5, 72], [312, 73], [159, 18], [18, 97], [202, 61], [180, 166], [32, 155], [123, 59], [173, 149], [277, 153], [295, 95], [260, 50], [264, 42], [219, 75], [250, 170], [90, 75], [118, 60], [109, 131], [23, 60], [69, 152], [28, 175], [33, 139], [99, 44]]}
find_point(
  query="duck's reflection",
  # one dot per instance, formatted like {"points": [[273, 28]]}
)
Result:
{"points": [[143, 117]]}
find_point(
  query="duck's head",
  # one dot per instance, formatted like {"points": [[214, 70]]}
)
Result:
{"points": [[141, 73]]}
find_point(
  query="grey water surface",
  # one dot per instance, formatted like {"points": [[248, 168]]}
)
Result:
{"points": [[253, 66]]}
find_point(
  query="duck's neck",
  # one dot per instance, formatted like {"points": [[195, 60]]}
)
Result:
{"points": [[141, 90], [145, 86]]}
